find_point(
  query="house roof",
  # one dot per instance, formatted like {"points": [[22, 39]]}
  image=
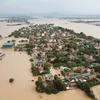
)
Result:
{"points": [[75, 76], [86, 75], [86, 56], [11, 43]]}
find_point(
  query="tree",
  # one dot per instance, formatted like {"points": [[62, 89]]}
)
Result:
{"points": [[34, 70], [31, 60], [39, 85], [47, 66], [97, 69], [59, 84], [11, 80], [13, 40], [71, 64]]}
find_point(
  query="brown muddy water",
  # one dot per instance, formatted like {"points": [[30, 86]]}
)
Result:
{"points": [[17, 66]]}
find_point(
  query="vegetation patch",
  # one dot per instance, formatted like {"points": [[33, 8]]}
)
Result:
{"points": [[11, 80]]}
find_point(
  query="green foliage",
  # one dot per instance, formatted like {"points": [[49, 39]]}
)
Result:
{"points": [[50, 86], [97, 69], [39, 86], [59, 84], [13, 40], [16, 34], [15, 49], [29, 48], [97, 59], [8, 41], [87, 85], [23, 41], [98, 76], [47, 66], [34, 70], [71, 64], [11, 80], [31, 60], [82, 35]]}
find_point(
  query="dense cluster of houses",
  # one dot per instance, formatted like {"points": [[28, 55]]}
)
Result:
{"points": [[46, 39]]}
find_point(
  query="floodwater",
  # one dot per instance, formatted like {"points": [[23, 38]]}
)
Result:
{"points": [[6, 30], [17, 65], [77, 27], [96, 90], [88, 29]]}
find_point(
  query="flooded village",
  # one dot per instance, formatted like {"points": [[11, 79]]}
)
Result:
{"points": [[60, 58], [49, 50]]}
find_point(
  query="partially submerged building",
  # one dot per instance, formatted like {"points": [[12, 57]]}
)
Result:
{"points": [[8, 45]]}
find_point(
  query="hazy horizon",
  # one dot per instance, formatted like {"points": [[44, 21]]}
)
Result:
{"points": [[67, 7]]}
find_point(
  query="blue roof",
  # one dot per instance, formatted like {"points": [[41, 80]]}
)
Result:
{"points": [[86, 75], [75, 76], [10, 43]]}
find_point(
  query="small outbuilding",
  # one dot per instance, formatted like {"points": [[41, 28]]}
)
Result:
{"points": [[8, 45]]}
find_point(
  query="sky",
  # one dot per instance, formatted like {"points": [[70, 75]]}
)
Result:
{"points": [[70, 7]]}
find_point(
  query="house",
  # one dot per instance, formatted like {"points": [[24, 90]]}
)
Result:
{"points": [[48, 77], [45, 84], [91, 77], [70, 73], [81, 69], [8, 45], [40, 69], [40, 63], [96, 64], [71, 57], [75, 76], [49, 44], [50, 40], [60, 46], [1, 54], [34, 55], [52, 35], [21, 45], [62, 68], [88, 58], [63, 34], [31, 37], [91, 66], [86, 75], [43, 34], [72, 84]]}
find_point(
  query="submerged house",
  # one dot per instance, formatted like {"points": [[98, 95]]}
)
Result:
{"points": [[8, 45], [48, 77], [1, 54]]}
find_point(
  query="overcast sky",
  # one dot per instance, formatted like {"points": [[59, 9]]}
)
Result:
{"points": [[49, 6]]}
